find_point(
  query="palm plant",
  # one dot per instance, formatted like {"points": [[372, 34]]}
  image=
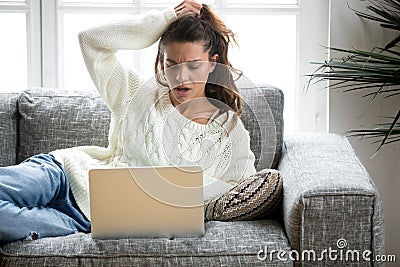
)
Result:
{"points": [[374, 73]]}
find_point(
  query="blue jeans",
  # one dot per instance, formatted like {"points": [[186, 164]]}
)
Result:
{"points": [[36, 201]]}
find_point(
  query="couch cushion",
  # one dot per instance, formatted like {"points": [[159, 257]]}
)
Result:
{"points": [[9, 127], [263, 118], [224, 244], [53, 119]]}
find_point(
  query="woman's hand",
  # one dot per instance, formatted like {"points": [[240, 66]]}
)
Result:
{"points": [[188, 6]]}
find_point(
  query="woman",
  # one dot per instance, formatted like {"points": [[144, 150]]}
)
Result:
{"points": [[190, 116]]}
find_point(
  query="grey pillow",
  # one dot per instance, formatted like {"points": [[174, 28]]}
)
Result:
{"points": [[54, 119]]}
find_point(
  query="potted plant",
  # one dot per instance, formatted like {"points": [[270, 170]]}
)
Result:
{"points": [[374, 73]]}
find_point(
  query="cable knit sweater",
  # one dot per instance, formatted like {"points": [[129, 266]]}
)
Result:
{"points": [[146, 129]]}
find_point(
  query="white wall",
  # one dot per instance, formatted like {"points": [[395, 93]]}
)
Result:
{"points": [[346, 112]]}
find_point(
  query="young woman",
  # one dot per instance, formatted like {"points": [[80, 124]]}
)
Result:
{"points": [[189, 116]]}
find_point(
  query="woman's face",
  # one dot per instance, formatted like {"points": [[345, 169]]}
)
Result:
{"points": [[187, 67]]}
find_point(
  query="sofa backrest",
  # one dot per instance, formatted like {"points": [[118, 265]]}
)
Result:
{"points": [[8, 128], [50, 119], [263, 118]]}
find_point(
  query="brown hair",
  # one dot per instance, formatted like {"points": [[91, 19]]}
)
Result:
{"points": [[212, 31]]}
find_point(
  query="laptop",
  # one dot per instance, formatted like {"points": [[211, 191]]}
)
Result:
{"points": [[146, 202]]}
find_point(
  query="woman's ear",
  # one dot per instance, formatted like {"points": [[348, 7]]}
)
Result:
{"points": [[213, 62]]}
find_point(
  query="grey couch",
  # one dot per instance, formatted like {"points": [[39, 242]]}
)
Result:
{"points": [[330, 204]]}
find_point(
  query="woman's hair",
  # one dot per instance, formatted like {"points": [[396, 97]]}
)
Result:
{"points": [[209, 29]]}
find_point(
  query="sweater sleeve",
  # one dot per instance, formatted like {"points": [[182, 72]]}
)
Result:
{"points": [[241, 163], [115, 84], [235, 168]]}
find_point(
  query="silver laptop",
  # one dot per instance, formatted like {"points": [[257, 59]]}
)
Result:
{"points": [[146, 202]]}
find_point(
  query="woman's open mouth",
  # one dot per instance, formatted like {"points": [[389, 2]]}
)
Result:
{"points": [[182, 90]]}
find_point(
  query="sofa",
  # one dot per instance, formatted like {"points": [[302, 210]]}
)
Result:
{"points": [[330, 215]]}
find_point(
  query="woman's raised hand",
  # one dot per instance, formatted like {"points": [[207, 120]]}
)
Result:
{"points": [[188, 6]]}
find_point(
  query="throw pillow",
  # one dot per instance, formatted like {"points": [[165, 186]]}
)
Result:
{"points": [[256, 196]]}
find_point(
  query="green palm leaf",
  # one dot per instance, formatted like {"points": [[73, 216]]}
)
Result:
{"points": [[375, 72]]}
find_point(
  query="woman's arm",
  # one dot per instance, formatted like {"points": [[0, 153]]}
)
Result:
{"points": [[241, 164], [235, 166], [115, 84]]}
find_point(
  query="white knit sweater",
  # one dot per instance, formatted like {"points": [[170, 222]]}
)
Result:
{"points": [[146, 129]]}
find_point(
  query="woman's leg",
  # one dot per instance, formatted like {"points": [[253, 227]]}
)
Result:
{"points": [[36, 201]]}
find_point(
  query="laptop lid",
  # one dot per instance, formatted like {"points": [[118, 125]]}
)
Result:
{"points": [[146, 202]]}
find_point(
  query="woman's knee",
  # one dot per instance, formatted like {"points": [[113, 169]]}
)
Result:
{"points": [[34, 182]]}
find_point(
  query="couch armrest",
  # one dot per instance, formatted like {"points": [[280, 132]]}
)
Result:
{"points": [[329, 196]]}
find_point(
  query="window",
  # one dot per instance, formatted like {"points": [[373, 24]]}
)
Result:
{"points": [[14, 51], [19, 47], [43, 47]]}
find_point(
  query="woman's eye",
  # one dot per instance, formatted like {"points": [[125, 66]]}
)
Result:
{"points": [[193, 66], [169, 64]]}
